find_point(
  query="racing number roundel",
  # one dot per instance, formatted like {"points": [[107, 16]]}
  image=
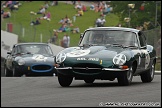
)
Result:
{"points": [[78, 53]]}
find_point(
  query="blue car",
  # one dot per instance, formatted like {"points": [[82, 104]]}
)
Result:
{"points": [[29, 59]]}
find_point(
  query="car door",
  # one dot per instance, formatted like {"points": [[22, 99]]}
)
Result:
{"points": [[145, 57]]}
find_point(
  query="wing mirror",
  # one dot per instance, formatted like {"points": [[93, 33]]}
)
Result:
{"points": [[9, 52]]}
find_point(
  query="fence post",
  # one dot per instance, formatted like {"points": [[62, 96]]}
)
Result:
{"points": [[41, 37], [34, 33], [23, 32]]}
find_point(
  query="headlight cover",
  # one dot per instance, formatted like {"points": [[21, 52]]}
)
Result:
{"points": [[119, 59], [60, 57], [21, 62]]}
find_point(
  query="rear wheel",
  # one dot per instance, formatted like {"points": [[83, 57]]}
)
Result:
{"points": [[124, 79], [64, 80], [148, 76]]}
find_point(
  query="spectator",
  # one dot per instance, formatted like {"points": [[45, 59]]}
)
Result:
{"points": [[55, 37], [68, 40], [92, 7], [80, 12], [62, 28], [103, 21], [107, 10], [37, 22], [78, 6], [98, 22], [54, 3], [7, 14], [119, 25], [14, 5], [67, 28], [76, 30], [47, 16], [74, 18], [46, 6], [42, 10], [69, 23], [8, 3], [2, 11], [84, 8], [99, 7], [61, 21], [73, 2], [65, 41]]}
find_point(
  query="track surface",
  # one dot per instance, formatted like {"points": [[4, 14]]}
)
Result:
{"points": [[46, 92]]}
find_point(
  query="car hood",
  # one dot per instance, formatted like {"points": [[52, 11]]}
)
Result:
{"points": [[35, 58], [99, 55], [95, 51]]}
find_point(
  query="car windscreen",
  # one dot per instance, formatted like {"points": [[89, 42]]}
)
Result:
{"points": [[104, 37], [35, 49]]}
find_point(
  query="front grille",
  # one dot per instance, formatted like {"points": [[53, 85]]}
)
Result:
{"points": [[87, 68], [41, 67]]}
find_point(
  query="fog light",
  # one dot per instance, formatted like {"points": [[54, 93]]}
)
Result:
{"points": [[28, 68], [123, 67], [56, 65]]}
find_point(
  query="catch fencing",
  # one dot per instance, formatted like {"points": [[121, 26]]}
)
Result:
{"points": [[33, 34]]}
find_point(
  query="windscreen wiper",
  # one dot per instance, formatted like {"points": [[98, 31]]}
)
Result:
{"points": [[88, 45], [117, 45], [131, 46]]}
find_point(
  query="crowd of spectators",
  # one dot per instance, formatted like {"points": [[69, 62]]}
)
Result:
{"points": [[66, 24], [9, 6]]}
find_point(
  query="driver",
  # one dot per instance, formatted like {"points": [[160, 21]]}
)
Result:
{"points": [[98, 39], [110, 40]]}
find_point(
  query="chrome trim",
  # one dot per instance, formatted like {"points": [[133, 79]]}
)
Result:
{"points": [[64, 68], [110, 69], [86, 68]]}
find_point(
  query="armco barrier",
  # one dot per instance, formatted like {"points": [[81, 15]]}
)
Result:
{"points": [[7, 41]]}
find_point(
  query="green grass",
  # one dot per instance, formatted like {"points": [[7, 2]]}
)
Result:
{"points": [[22, 18]]}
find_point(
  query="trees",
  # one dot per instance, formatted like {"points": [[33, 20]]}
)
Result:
{"points": [[144, 11]]}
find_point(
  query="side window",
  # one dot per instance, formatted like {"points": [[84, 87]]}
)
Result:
{"points": [[14, 50], [142, 39]]}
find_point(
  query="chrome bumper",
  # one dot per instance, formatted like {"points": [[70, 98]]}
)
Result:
{"points": [[108, 69]]}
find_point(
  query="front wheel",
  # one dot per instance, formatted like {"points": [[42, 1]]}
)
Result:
{"points": [[64, 80], [148, 76], [124, 79], [16, 73], [7, 72]]}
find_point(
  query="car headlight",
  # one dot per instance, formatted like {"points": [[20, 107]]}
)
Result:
{"points": [[119, 59], [60, 57], [21, 62]]}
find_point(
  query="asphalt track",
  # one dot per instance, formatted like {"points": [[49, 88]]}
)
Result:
{"points": [[46, 92]]}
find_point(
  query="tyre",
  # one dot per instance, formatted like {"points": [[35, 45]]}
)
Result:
{"points": [[7, 72], [64, 80], [16, 73], [124, 79], [90, 80], [148, 76]]}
